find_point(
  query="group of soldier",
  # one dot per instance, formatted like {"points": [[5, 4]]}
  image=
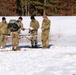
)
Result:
{"points": [[33, 30]]}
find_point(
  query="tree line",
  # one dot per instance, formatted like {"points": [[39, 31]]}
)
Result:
{"points": [[37, 7]]}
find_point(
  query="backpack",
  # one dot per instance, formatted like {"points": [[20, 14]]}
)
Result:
{"points": [[13, 25]]}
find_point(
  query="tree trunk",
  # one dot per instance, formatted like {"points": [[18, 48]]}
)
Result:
{"points": [[44, 8]]}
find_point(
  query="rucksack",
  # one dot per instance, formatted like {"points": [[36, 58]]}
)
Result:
{"points": [[13, 25]]}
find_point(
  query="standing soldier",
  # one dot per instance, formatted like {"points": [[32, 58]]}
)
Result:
{"points": [[45, 31], [34, 26], [15, 35], [3, 32]]}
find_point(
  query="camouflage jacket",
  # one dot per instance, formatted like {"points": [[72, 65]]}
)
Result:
{"points": [[35, 25], [46, 24], [20, 24], [3, 28]]}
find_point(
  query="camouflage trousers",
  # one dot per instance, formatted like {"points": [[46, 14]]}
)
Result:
{"points": [[3, 40], [15, 39], [33, 39], [45, 39]]}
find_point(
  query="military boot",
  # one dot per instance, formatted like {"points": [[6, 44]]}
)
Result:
{"points": [[32, 44], [36, 44], [13, 49], [17, 48]]}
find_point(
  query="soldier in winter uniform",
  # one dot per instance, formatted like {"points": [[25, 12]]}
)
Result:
{"points": [[45, 31], [34, 26], [15, 35], [3, 32]]}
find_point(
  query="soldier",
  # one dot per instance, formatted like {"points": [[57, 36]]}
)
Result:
{"points": [[15, 35], [34, 26], [3, 32], [45, 31]]}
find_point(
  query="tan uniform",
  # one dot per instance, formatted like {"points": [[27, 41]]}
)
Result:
{"points": [[35, 25], [15, 37], [45, 32], [3, 33]]}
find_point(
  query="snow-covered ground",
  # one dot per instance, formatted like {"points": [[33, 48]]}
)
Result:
{"points": [[59, 59]]}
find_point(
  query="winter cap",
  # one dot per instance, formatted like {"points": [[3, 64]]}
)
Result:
{"points": [[3, 18], [32, 17], [20, 18]]}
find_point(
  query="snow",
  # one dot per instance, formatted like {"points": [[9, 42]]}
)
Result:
{"points": [[59, 59]]}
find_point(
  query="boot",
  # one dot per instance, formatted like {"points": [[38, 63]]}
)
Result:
{"points": [[17, 48], [36, 44], [32, 44], [13, 49]]}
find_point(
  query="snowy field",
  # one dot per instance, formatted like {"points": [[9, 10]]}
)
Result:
{"points": [[54, 61], [59, 59]]}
